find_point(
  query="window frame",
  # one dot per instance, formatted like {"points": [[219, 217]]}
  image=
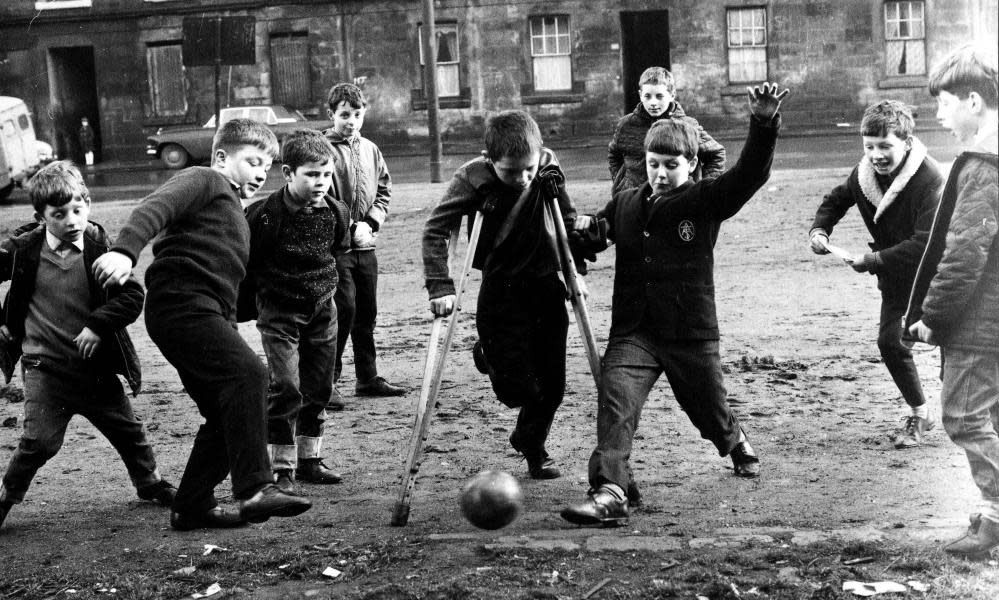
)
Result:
{"points": [[763, 46], [455, 64], [155, 110], [544, 37], [896, 37]]}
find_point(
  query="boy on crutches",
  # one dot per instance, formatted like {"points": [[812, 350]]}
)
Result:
{"points": [[520, 317]]}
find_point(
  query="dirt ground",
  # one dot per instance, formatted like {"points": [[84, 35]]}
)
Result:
{"points": [[803, 375]]}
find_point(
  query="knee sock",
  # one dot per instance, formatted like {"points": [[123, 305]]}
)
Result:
{"points": [[921, 411], [614, 490]]}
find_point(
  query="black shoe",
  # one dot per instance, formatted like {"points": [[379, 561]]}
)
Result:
{"points": [[600, 508], [312, 470], [634, 495], [539, 464], [379, 387], [284, 479], [215, 518], [745, 461], [4, 510], [479, 358], [162, 492], [272, 502], [336, 401]]}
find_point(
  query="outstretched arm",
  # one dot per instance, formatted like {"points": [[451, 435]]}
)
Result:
{"points": [[764, 102]]}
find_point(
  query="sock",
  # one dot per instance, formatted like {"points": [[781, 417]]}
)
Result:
{"points": [[614, 490], [921, 411]]}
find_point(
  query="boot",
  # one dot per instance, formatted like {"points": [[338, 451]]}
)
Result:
{"points": [[284, 479], [312, 470], [539, 464], [976, 543]]}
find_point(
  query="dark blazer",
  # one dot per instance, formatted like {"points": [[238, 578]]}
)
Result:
{"points": [[664, 269], [111, 309]]}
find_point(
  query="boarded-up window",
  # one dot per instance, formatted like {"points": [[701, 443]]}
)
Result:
{"points": [[905, 38], [290, 80], [167, 85], [551, 53], [747, 45], [448, 59]]}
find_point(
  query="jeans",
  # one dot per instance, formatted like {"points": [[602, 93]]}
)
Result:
{"points": [[301, 351], [970, 405], [522, 325], [53, 393], [228, 383], [896, 356], [630, 367], [357, 308]]}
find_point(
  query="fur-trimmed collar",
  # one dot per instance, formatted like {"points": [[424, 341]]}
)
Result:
{"points": [[869, 182]]}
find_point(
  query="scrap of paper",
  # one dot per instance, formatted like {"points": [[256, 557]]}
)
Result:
{"points": [[836, 250], [859, 588]]}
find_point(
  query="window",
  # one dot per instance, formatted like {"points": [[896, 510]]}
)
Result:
{"points": [[551, 53], [167, 85], [747, 45], [905, 38], [448, 56], [290, 69], [53, 4]]}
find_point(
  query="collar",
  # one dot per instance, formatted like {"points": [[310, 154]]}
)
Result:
{"points": [[294, 209], [987, 139], [867, 178], [54, 242]]}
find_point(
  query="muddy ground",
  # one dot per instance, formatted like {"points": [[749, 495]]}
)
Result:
{"points": [[803, 374]]}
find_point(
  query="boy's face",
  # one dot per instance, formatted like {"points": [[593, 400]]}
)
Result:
{"points": [[668, 171], [958, 114], [655, 98], [246, 166], [67, 222], [309, 182], [886, 153], [517, 172], [347, 120]]}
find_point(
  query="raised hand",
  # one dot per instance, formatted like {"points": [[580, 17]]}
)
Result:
{"points": [[764, 101]]}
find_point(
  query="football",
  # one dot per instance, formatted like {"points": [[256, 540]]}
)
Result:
{"points": [[491, 500]]}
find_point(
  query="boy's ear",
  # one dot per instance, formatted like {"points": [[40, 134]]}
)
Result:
{"points": [[329, 113], [39, 218], [975, 102], [286, 170], [219, 157], [693, 164]]}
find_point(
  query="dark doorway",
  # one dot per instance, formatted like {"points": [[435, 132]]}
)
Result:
{"points": [[73, 94], [644, 44]]}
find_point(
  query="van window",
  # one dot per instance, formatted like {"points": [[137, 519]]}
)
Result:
{"points": [[23, 121]]}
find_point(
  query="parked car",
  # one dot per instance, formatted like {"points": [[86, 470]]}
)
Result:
{"points": [[180, 146], [21, 154]]}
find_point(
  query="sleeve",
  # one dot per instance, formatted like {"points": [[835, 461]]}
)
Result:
{"points": [[907, 253], [607, 214], [568, 211], [972, 233], [341, 235], [710, 153], [383, 193], [458, 200], [731, 190], [834, 205], [123, 307], [615, 154]]}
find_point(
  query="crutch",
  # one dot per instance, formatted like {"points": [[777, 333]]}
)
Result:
{"points": [[432, 371], [575, 295]]}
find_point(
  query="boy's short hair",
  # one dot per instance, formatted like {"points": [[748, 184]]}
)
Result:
{"points": [[673, 137], [346, 92], [888, 116], [56, 184], [968, 69], [657, 76], [236, 133], [512, 133], [305, 145]]}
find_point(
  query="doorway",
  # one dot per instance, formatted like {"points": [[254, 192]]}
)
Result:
{"points": [[644, 44], [73, 96]]}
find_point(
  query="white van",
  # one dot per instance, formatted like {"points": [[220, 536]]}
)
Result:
{"points": [[20, 152]]}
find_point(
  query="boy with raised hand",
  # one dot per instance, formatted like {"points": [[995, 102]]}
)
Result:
{"points": [[361, 181], [521, 316], [71, 337], [955, 298], [663, 317], [199, 259], [295, 236], [896, 189], [626, 153]]}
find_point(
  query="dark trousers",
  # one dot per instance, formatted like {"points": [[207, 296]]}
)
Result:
{"points": [[522, 325], [630, 367], [896, 356], [228, 383], [356, 309], [53, 394]]}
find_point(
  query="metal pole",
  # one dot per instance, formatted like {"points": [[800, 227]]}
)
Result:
{"points": [[348, 65], [218, 67], [430, 89]]}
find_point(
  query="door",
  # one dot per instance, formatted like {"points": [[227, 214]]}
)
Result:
{"points": [[73, 94], [644, 44]]}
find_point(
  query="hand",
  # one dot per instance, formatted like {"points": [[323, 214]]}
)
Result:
{"points": [[582, 223], [443, 306], [87, 342], [764, 102], [584, 290], [6, 336], [818, 242], [922, 332], [864, 264], [112, 268], [363, 236]]}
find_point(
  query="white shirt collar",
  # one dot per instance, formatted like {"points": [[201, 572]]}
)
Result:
{"points": [[987, 140], [54, 242]]}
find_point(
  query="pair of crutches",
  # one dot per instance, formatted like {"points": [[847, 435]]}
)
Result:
{"points": [[444, 327]]}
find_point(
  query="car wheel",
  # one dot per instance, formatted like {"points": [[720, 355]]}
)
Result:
{"points": [[174, 156]]}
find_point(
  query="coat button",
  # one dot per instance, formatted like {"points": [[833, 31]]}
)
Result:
{"points": [[645, 233], [648, 259]]}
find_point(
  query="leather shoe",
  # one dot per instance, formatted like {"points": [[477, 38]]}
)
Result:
{"points": [[336, 401], [284, 479], [162, 492], [976, 543], [539, 464], [213, 518], [634, 495], [269, 502], [745, 461], [312, 470], [601, 508], [379, 387]]}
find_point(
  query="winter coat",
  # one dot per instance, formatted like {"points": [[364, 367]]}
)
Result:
{"points": [[626, 153], [956, 292], [112, 309], [360, 180], [899, 219]]}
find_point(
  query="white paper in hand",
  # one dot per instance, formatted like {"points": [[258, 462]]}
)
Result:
{"points": [[836, 251]]}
